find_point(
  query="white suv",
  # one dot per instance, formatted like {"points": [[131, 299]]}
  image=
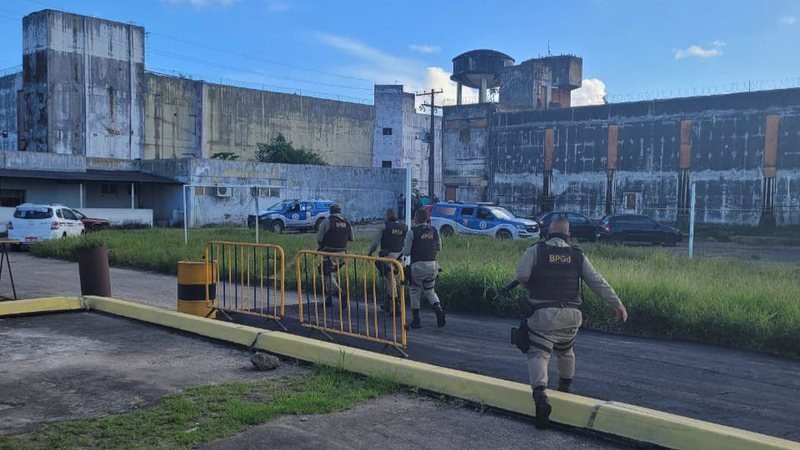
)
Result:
{"points": [[33, 223]]}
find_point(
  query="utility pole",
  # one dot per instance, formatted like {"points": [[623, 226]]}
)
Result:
{"points": [[431, 141]]}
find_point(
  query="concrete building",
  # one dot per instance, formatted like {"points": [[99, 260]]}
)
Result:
{"points": [[401, 136], [82, 122], [742, 151]]}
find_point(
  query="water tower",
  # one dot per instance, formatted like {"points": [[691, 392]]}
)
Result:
{"points": [[479, 69]]}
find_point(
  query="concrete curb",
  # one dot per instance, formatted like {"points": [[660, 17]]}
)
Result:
{"points": [[619, 419], [39, 306]]}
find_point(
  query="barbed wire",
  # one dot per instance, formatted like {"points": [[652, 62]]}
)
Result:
{"points": [[10, 70]]}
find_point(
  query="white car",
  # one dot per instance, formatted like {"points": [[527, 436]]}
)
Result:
{"points": [[33, 223]]}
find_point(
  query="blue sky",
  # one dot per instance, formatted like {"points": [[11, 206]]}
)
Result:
{"points": [[631, 49]]}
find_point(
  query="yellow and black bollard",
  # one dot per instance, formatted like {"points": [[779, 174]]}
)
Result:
{"points": [[192, 279]]}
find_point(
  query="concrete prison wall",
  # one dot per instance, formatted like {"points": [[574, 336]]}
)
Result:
{"points": [[187, 118], [364, 193], [741, 150]]}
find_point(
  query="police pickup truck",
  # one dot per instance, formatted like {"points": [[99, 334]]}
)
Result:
{"points": [[300, 215], [481, 219]]}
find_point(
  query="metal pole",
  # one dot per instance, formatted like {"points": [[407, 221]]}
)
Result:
{"points": [[432, 155], [407, 258], [408, 194], [691, 223], [185, 217], [255, 192], [133, 203], [80, 200]]}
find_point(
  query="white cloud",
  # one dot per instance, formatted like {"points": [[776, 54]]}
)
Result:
{"points": [[424, 48], [789, 20], [700, 52], [277, 6], [202, 3], [591, 92], [384, 68]]}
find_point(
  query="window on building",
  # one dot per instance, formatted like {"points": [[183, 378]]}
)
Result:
{"points": [[386, 164], [464, 136], [12, 197], [108, 189], [387, 131], [631, 200]]}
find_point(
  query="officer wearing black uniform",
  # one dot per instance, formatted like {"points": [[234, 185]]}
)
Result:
{"points": [[421, 244], [389, 237], [332, 236], [552, 272]]}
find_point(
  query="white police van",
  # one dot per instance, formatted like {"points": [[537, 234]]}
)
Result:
{"points": [[300, 215], [482, 219]]}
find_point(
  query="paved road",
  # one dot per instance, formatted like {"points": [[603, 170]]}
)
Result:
{"points": [[736, 388]]}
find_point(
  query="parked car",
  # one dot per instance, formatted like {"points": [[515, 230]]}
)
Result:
{"points": [[636, 228], [580, 226], [481, 219], [91, 223], [32, 223], [300, 215]]}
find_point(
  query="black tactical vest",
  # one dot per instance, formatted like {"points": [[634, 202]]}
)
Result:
{"points": [[393, 236], [423, 248], [557, 274], [337, 235]]}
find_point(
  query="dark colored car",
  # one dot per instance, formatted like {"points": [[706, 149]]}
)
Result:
{"points": [[580, 227], [91, 223], [636, 228]]}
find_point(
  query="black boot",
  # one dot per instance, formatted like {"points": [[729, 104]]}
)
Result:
{"points": [[440, 319], [543, 408], [565, 384], [415, 322]]}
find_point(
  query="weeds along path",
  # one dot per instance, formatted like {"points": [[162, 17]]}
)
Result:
{"points": [[743, 304]]}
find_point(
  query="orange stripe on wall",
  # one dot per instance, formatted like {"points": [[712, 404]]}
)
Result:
{"points": [[548, 149], [771, 146], [686, 144], [611, 154]]}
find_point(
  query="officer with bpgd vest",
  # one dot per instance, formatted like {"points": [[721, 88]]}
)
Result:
{"points": [[390, 237], [332, 236], [422, 242], [552, 272]]}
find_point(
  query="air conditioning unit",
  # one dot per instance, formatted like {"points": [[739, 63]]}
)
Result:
{"points": [[223, 191]]}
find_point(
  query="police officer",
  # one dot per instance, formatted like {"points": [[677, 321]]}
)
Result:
{"points": [[552, 272], [421, 244], [389, 237], [332, 236]]}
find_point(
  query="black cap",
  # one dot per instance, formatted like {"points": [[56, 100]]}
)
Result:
{"points": [[336, 208]]}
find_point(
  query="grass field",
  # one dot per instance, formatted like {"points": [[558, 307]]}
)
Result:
{"points": [[201, 414], [749, 305]]}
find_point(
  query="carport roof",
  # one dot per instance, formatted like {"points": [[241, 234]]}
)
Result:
{"points": [[89, 175]]}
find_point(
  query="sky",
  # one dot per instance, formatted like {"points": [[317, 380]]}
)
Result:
{"points": [[631, 50]]}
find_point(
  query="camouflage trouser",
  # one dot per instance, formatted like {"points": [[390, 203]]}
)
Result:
{"points": [[330, 274], [423, 282], [390, 278], [545, 341]]}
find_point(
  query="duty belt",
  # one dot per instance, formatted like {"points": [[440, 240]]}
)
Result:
{"points": [[543, 305]]}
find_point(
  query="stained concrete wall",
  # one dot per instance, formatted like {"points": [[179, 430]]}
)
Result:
{"points": [[363, 192], [83, 83], [465, 160], [236, 119], [727, 156], [9, 86], [173, 117], [408, 143]]}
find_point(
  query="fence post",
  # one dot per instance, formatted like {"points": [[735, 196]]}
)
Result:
{"points": [[691, 222]]}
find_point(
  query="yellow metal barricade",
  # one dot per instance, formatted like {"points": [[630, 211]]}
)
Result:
{"points": [[352, 295], [249, 278]]}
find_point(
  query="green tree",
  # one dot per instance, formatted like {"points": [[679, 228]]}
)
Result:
{"points": [[279, 150]]}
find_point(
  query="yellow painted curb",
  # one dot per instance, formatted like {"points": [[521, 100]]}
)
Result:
{"points": [[641, 424], [39, 305]]}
